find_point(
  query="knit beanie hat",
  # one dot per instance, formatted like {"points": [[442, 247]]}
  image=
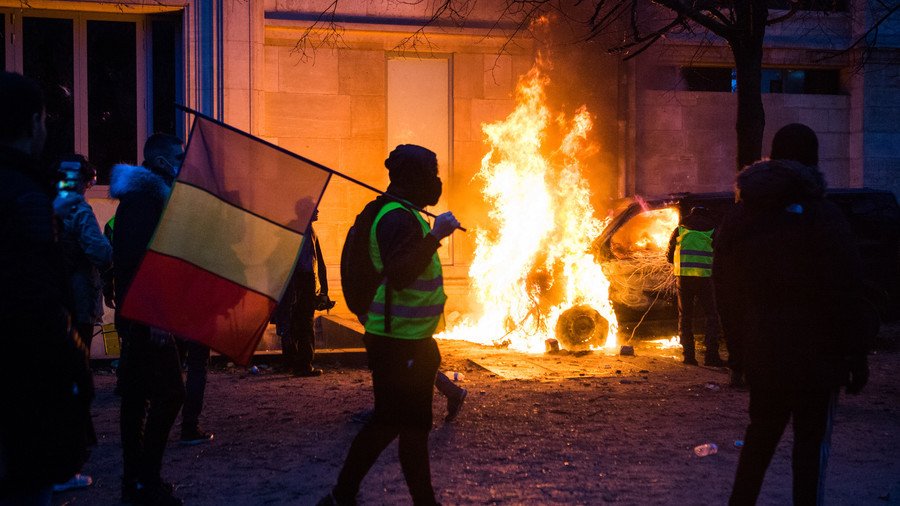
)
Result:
{"points": [[796, 142], [409, 163]]}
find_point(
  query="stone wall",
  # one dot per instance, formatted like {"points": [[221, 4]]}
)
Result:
{"points": [[331, 108], [686, 140]]}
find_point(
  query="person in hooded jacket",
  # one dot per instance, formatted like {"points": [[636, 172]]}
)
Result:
{"points": [[789, 270], [407, 308], [45, 384], [88, 252], [151, 385]]}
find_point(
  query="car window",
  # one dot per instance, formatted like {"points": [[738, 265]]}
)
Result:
{"points": [[645, 234]]}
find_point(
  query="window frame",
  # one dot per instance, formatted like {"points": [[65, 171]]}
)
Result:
{"points": [[15, 63]]}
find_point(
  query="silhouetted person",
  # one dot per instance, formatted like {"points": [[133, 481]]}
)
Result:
{"points": [[45, 384], [306, 293], [407, 308], [195, 357], [791, 272], [150, 369], [691, 254], [88, 252]]}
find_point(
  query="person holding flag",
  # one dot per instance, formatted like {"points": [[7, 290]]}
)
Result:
{"points": [[406, 309], [151, 384]]}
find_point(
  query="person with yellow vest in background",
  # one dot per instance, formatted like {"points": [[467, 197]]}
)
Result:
{"points": [[691, 253], [407, 307]]}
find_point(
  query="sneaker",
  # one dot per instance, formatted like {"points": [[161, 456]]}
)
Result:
{"points": [[690, 361], [454, 404], [195, 437], [77, 481], [308, 373], [159, 494], [138, 494], [714, 361]]}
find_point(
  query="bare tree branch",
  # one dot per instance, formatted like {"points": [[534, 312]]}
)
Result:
{"points": [[306, 46]]}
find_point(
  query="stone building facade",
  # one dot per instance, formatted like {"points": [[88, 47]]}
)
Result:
{"points": [[361, 86]]}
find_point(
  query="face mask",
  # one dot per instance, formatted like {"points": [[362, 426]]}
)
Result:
{"points": [[432, 191]]}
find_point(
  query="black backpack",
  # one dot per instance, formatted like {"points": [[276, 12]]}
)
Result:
{"points": [[359, 279]]}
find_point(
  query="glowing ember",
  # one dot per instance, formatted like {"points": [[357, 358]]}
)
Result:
{"points": [[665, 344], [535, 265]]}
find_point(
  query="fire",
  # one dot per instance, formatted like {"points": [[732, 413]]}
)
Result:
{"points": [[534, 266]]}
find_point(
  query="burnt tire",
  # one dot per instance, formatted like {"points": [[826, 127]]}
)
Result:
{"points": [[581, 327]]}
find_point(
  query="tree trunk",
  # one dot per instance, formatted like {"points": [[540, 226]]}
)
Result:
{"points": [[747, 48], [751, 118]]}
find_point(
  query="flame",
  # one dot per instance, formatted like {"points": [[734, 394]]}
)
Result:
{"points": [[534, 264]]}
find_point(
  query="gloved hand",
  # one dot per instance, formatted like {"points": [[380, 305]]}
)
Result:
{"points": [[859, 374], [444, 225]]}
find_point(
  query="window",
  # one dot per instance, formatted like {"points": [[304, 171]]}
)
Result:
{"points": [[48, 55], [774, 80], [111, 93], [3, 40], [108, 79], [810, 5], [418, 112], [707, 78], [166, 60], [802, 81]]}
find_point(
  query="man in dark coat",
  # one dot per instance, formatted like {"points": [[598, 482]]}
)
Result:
{"points": [[306, 293], [150, 377], [45, 385], [790, 271]]}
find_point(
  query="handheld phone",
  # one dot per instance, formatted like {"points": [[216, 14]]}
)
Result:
{"points": [[69, 177]]}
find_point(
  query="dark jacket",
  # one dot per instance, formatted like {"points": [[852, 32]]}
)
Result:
{"points": [[787, 280], [309, 281], [45, 388], [142, 196], [87, 252]]}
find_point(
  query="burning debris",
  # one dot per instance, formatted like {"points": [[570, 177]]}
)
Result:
{"points": [[533, 275], [638, 267]]}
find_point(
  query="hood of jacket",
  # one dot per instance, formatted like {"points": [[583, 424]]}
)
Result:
{"points": [[774, 184], [132, 179]]}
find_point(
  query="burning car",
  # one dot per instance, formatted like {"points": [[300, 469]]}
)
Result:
{"points": [[632, 250]]}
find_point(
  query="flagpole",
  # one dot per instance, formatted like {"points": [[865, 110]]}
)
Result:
{"points": [[302, 158]]}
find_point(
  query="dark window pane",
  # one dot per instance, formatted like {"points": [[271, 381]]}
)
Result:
{"points": [[166, 51], [793, 81], [707, 78], [810, 5], [3, 41], [47, 58], [822, 82], [112, 95], [772, 81]]}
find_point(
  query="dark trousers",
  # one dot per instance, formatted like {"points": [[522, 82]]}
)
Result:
{"points": [[403, 374], [298, 340], [152, 394], [691, 289], [446, 386], [813, 416], [195, 356]]}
